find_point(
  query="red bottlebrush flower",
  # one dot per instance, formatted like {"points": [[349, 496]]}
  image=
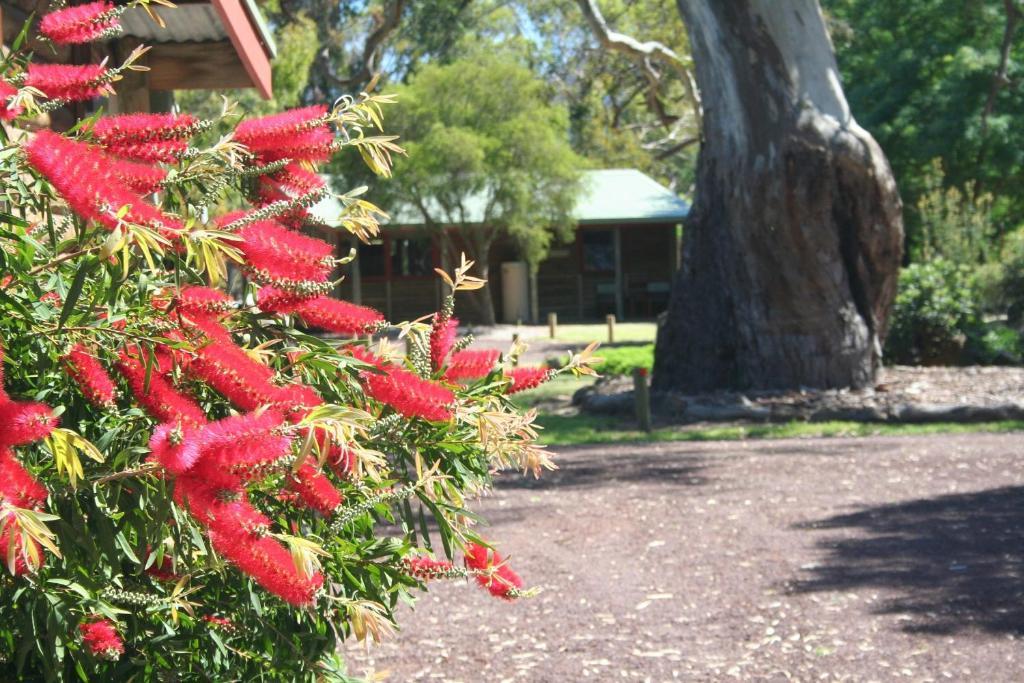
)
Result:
{"points": [[101, 639], [79, 24], [472, 364], [268, 132], [219, 622], [28, 554], [335, 315], [23, 422], [342, 460], [131, 129], [159, 398], [81, 175], [91, 377], [291, 181], [274, 252], [242, 442], [527, 378], [492, 572], [442, 339], [17, 486], [203, 300], [163, 570], [296, 400], [141, 178], [231, 371], [152, 151], [409, 394], [270, 564], [315, 490], [7, 112], [428, 569], [51, 298], [314, 146], [170, 448], [275, 300], [68, 81]]}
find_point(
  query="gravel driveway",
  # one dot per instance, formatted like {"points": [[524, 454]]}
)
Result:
{"points": [[825, 559]]}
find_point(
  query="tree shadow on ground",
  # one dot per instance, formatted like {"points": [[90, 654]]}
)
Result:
{"points": [[956, 562], [584, 469]]}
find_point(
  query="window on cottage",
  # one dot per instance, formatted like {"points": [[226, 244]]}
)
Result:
{"points": [[412, 256], [598, 250], [371, 259]]}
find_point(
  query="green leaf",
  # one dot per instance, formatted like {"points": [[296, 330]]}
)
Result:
{"points": [[75, 290]]}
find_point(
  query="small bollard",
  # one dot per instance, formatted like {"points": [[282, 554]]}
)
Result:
{"points": [[642, 396], [552, 325], [610, 319]]}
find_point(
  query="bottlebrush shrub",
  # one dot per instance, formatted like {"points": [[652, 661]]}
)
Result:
{"points": [[198, 487]]}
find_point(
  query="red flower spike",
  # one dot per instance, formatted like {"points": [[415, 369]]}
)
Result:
{"points": [[141, 178], [132, 129], [164, 571], [231, 371], [315, 490], [270, 564], [242, 442], [296, 400], [274, 300], [203, 300], [219, 622], [427, 569], [24, 422], [74, 83], [160, 399], [7, 112], [492, 572], [268, 131], [91, 377], [340, 317], [17, 486], [468, 365], [313, 146], [166, 151], [409, 394], [276, 252], [527, 378], [101, 639], [80, 173], [291, 181], [79, 24], [442, 339]]}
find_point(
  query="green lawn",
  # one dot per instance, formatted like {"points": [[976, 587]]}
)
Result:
{"points": [[584, 334], [560, 430]]}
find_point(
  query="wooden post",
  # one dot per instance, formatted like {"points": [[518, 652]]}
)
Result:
{"points": [[610, 319], [552, 325], [642, 397]]}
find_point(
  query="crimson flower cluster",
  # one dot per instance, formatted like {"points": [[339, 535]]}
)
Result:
{"points": [[80, 24], [492, 572], [21, 423], [101, 639]]}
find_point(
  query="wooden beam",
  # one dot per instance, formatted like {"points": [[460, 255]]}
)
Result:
{"points": [[196, 66]]}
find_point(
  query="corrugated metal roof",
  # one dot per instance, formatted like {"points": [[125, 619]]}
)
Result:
{"points": [[608, 196], [196, 23]]}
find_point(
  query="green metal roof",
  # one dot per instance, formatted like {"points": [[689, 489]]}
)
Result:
{"points": [[607, 196]]}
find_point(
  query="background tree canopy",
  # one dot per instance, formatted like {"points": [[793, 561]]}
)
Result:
{"points": [[919, 75]]}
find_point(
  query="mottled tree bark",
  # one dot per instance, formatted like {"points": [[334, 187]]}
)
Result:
{"points": [[791, 253]]}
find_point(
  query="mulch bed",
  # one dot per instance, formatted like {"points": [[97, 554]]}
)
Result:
{"points": [[813, 560], [902, 394]]}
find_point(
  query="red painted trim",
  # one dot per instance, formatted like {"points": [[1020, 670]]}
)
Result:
{"points": [[247, 44]]}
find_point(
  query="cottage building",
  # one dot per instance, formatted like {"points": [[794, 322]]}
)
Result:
{"points": [[204, 45], [625, 251]]}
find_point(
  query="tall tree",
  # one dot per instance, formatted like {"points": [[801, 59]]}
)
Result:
{"points": [[791, 254], [485, 146]]}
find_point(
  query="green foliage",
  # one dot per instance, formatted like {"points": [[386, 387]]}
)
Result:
{"points": [[937, 308], [955, 225], [918, 76], [622, 360]]}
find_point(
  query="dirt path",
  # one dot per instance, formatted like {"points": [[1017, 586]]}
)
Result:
{"points": [[837, 559]]}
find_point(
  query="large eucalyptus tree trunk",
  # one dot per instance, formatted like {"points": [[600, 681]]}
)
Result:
{"points": [[791, 253]]}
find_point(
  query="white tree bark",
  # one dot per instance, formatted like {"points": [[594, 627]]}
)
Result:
{"points": [[792, 250]]}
